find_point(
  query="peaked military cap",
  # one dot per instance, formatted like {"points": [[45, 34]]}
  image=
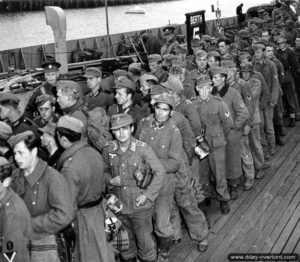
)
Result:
{"points": [[154, 58], [166, 99], [174, 84], [218, 70], [5, 131], [13, 140], [157, 90], [135, 66], [244, 55], [124, 82], [203, 80], [9, 97], [49, 129], [92, 72], [213, 54], [120, 72], [244, 33], [120, 120], [146, 77], [71, 123], [259, 46], [196, 42], [206, 38], [168, 29], [247, 67], [227, 64], [42, 99], [52, 66]]}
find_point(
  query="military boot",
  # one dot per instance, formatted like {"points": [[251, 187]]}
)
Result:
{"points": [[234, 192], [292, 122], [163, 246], [281, 131], [279, 140], [203, 245]]}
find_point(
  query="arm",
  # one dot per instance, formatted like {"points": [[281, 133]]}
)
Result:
{"points": [[226, 118], [241, 111], [275, 84]]}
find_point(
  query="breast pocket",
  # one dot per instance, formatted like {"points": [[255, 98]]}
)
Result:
{"points": [[218, 140]]}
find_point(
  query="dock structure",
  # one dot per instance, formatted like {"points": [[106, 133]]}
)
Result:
{"points": [[35, 5], [265, 220]]}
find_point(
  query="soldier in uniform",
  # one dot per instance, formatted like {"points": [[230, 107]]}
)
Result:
{"points": [[223, 46], [82, 167], [161, 133], [5, 134], [171, 42], [240, 115], [195, 45], [215, 115], [126, 162], [10, 112], [51, 73], [45, 193], [290, 63], [15, 220], [125, 91], [46, 107], [214, 59], [155, 65], [98, 96]]}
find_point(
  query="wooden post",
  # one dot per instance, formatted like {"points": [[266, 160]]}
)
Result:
{"points": [[56, 18]]}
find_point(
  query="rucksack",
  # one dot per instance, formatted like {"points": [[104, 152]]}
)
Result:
{"points": [[97, 128]]}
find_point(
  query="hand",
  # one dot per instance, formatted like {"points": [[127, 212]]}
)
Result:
{"points": [[141, 200], [116, 181], [246, 130]]}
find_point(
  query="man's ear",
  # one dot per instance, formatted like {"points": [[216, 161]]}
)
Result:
{"points": [[132, 129]]}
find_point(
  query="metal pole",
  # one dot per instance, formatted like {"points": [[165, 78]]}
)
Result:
{"points": [[107, 29]]}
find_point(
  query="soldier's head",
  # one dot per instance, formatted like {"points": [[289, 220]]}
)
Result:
{"points": [[118, 74], [204, 87], [168, 33], [67, 93], [297, 41], [46, 106], [155, 61], [196, 44], [93, 77], [178, 70], [9, 104], [223, 46], [5, 176], [231, 69], [122, 127], [246, 71], [214, 59], [163, 108], [201, 59], [269, 51], [155, 92], [125, 90], [69, 130], [265, 35], [175, 88], [25, 146], [51, 72], [134, 70], [219, 77], [282, 39], [244, 57], [147, 81], [259, 50]]}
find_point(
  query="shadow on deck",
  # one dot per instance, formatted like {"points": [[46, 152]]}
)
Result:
{"points": [[265, 219]]}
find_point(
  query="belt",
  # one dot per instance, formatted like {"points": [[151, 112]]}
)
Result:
{"points": [[91, 204]]}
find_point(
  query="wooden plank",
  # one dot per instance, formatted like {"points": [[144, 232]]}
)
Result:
{"points": [[293, 240], [273, 213], [220, 230]]}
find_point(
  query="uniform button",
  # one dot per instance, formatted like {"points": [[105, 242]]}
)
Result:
{"points": [[123, 173], [37, 183], [123, 165], [124, 187], [35, 192], [7, 204], [152, 138], [33, 203], [163, 146]]}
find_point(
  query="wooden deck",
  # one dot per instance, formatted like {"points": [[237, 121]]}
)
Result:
{"points": [[265, 219]]}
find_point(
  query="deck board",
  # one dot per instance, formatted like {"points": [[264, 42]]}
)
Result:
{"points": [[265, 219]]}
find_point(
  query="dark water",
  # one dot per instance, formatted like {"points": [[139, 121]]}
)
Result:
{"points": [[29, 28]]}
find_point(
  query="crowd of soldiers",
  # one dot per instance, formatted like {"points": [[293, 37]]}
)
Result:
{"points": [[190, 129]]}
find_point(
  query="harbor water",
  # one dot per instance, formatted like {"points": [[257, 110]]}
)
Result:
{"points": [[29, 28]]}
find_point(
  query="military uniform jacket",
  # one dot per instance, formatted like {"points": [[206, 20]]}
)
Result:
{"points": [[24, 124], [265, 93], [215, 115], [251, 93], [166, 142], [15, 226], [290, 63], [268, 69], [161, 75], [76, 111], [124, 164], [102, 98], [168, 48], [237, 108], [40, 122], [46, 195]]}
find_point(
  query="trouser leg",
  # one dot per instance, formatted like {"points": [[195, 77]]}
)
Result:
{"points": [[247, 160], [256, 148], [264, 143], [176, 222]]}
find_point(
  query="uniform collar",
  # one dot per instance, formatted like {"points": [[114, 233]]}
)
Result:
{"points": [[131, 147], [18, 121], [37, 173]]}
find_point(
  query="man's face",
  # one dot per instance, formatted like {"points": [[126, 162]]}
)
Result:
{"points": [[169, 37], [258, 54], [218, 80], [145, 87], [269, 52], [121, 96], [51, 77], [246, 75], [212, 62], [265, 35], [23, 156], [201, 62], [46, 110], [154, 67], [244, 61], [231, 74], [4, 112], [204, 91], [93, 82], [162, 112], [297, 42], [253, 27], [223, 48], [122, 134], [63, 100]]}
